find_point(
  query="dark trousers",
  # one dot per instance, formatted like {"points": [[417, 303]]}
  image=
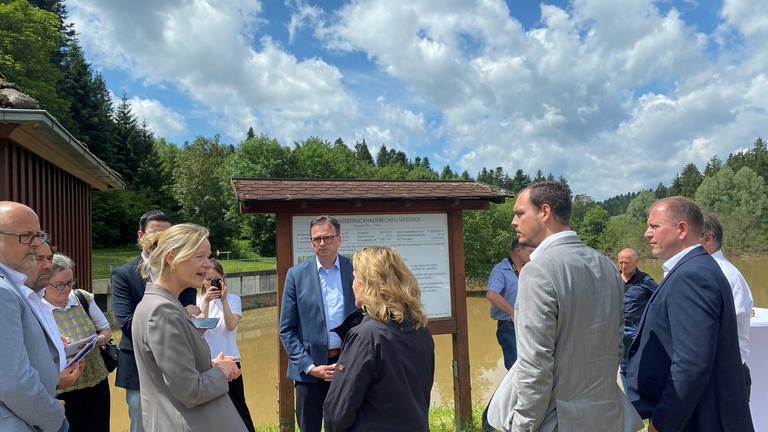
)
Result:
{"points": [[87, 409], [747, 381], [505, 335], [309, 404], [237, 394], [630, 330]]}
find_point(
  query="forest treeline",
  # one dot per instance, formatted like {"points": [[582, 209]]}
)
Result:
{"points": [[191, 181]]}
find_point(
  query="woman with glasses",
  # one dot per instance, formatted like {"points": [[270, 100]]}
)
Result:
{"points": [[384, 375], [183, 388], [215, 301], [87, 400]]}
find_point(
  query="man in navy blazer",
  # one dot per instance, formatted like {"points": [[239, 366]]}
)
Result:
{"points": [[127, 291], [30, 363], [316, 298], [684, 369]]}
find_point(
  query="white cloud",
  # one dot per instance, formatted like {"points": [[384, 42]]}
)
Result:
{"points": [[163, 121], [612, 95]]}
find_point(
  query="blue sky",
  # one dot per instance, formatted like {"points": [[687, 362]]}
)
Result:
{"points": [[614, 95]]}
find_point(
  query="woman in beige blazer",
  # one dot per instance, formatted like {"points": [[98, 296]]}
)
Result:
{"points": [[182, 389]]}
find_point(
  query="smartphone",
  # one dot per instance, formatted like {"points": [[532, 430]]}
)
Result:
{"points": [[216, 283], [204, 323]]}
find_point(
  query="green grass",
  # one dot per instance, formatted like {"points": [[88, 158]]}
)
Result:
{"points": [[441, 419], [106, 259]]}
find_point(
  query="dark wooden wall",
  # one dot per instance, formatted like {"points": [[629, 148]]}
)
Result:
{"points": [[62, 201]]}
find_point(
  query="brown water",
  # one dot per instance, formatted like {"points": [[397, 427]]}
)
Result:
{"points": [[754, 269], [258, 342]]}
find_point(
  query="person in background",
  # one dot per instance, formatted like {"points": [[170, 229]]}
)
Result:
{"points": [[569, 328], [502, 293], [384, 375], [712, 241], [638, 288], [316, 297], [684, 371], [127, 290], [215, 301], [87, 402], [30, 364], [37, 280], [182, 389]]}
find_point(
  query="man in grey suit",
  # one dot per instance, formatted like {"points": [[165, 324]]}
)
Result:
{"points": [[30, 365], [569, 328], [316, 298]]}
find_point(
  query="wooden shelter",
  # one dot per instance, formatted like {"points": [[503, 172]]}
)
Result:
{"points": [[43, 166], [301, 197]]}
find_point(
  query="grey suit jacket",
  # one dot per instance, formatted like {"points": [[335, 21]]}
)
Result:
{"points": [[180, 389], [569, 324], [29, 368]]}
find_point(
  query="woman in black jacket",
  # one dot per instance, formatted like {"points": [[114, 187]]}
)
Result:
{"points": [[384, 375]]}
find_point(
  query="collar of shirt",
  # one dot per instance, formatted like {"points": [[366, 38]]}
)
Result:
{"points": [[72, 301], [548, 241], [718, 254], [670, 263], [17, 278], [320, 266]]}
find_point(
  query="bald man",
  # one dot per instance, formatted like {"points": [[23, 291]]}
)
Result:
{"points": [[30, 364], [638, 288]]}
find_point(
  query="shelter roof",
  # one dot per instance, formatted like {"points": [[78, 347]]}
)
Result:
{"points": [[39, 132], [259, 194]]}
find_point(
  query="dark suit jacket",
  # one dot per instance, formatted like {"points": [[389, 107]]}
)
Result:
{"points": [[302, 316], [127, 291], [684, 370]]}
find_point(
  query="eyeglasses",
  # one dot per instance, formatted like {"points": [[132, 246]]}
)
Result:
{"points": [[28, 237], [327, 239], [62, 285]]}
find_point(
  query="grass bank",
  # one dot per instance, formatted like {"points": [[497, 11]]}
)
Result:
{"points": [[106, 259], [441, 419]]}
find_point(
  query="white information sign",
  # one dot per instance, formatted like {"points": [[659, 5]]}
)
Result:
{"points": [[421, 239]]}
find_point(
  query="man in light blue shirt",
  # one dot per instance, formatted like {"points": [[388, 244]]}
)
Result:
{"points": [[502, 293], [316, 297]]}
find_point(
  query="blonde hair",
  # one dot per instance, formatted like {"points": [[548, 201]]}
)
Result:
{"points": [[182, 239], [388, 289]]}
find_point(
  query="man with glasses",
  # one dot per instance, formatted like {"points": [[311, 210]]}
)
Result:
{"points": [[30, 362], [316, 298]]}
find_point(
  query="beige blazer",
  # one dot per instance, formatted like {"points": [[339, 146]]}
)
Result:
{"points": [[180, 389], [569, 324]]}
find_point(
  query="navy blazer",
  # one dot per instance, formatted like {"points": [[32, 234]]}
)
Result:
{"points": [[302, 316], [127, 291], [684, 369]]}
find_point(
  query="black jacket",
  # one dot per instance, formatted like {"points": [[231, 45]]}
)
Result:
{"points": [[382, 380]]}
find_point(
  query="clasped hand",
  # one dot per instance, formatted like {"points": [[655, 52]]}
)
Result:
{"points": [[228, 365], [324, 372]]}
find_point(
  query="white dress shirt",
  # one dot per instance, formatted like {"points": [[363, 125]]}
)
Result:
{"points": [[742, 300], [45, 315]]}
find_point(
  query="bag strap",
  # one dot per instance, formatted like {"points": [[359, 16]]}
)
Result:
{"points": [[83, 302]]}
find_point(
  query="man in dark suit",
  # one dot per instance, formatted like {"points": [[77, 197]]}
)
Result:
{"points": [[316, 298], [684, 370], [127, 291]]}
